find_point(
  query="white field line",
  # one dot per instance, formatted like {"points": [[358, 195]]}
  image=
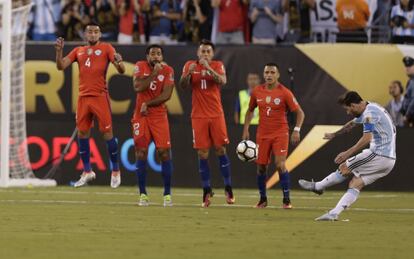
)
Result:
{"points": [[185, 194], [404, 210]]}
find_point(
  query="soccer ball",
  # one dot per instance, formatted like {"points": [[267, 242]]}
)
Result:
{"points": [[246, 150]]}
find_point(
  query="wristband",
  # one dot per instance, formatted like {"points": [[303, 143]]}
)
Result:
{"points": [[296, 129]]}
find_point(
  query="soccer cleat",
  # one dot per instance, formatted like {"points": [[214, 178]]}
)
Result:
{"points": [[310, 186], [143, 200], [287, 204], [327, 217], [262, 203], [115, 179], [207, 195], [85, 178], [168, 200], [228, 191]]}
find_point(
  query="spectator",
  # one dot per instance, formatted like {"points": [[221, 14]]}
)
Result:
{"points": [[353, 16], [165, 16], [396, 91], [198, 20], [407, 108], [402, 22], [242, 102], [106, 17], [128, 11], [265, 14], [230, 21], [73, 20], [43, 19]]}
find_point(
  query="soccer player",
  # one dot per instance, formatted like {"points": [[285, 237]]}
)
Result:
{"points": [[93, 102], [273, 100], [154, 83], [206, 77], [367, 166]]}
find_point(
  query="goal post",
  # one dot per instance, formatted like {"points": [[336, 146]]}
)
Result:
{"points": [[14, 164]]}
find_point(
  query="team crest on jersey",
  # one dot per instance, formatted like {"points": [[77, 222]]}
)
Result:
{"points": [[203, 72], [276, 101], [89, 52], [98, 52], [160, 78], [268, 99]]}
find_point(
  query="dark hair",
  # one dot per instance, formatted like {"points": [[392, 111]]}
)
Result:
{"points": [[397, 82], [92, 23], [410, 6], [147, 51], [207, 42], [272, 64], [349, 97]]}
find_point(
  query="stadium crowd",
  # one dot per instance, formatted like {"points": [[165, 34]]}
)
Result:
{"points": [[225, 21]]}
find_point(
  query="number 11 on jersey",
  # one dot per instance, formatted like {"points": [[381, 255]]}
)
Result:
{"points": [[203, 84]]}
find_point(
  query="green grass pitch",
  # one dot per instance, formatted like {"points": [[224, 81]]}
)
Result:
{"points": [[98, 222]]}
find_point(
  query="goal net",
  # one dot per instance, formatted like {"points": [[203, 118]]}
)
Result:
{"points": [[14, 164]]}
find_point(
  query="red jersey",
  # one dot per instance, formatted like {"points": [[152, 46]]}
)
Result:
{"points": [[230, 16], [165, 78], [206, 97], [273, 105], [93, 63]]}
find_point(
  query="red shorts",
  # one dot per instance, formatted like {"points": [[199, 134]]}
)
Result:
{"points": [[90, 107], [278, 146], [207, 131], [146, 128]]}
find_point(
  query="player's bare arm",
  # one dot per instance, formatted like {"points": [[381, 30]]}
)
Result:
{"points": [[118, 63], [248, 118], [219, 79], [61, 63], [361, 144], [345, 129], [162, 98], [300, 117], [185, 81], [142, 84]]}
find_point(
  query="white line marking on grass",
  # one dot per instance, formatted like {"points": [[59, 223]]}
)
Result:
{"points": [[182, 194], [404, 210]]}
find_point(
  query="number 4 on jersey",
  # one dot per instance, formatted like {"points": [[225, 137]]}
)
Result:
{"points": [[88, 63]]}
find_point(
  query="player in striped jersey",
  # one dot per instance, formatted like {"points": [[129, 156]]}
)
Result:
{"points": [[367, 166]]}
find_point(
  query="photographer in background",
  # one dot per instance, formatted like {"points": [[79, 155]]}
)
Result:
{"points": [[402, 22]]}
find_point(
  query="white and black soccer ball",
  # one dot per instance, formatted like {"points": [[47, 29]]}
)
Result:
{"points": [[246, 150]]}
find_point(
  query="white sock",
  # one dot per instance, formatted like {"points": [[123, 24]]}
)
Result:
{"points": [[346, 201], [332, 179]]}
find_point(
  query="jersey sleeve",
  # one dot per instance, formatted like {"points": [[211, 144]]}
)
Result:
{"points": [[291, 101], [72, 55], [111, 52], [186, 68], [219, 68], [139, 70], [253, 101], [169, 77]]}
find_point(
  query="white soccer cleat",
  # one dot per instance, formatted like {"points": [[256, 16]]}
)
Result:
{"points": [[168, 201], [85, 178], [115, 179], [310, 186], [143, 200], [327, 217]]}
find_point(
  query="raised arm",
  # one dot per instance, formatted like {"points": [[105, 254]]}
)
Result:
{"points": [[163, 97], [61, 62], [185, 80], [361, 144], [142, 84], [118, 63], [220, 79]]}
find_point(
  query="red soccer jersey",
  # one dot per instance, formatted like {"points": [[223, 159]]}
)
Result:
{"points": [[165, 78], [206, 97], [93, 63], [230, 16], [273, 105]]}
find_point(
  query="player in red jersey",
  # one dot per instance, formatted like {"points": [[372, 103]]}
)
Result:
{"points": [[273, 99], [93, 102], [206, 77], [154, 84]]}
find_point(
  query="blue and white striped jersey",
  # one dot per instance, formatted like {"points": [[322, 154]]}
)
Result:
{"points": [[376, 119]]}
